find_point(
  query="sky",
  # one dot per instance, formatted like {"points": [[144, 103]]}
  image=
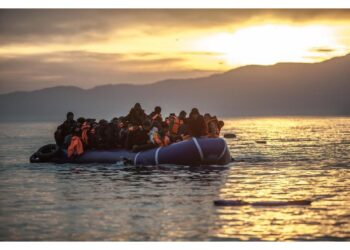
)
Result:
{"points": [[87, 48]]}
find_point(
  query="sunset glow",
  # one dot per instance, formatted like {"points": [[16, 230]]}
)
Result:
{"points": [[95, 47], [269, 44]]}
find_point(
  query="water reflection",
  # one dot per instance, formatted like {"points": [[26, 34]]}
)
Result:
{"points": [[303, 158]]}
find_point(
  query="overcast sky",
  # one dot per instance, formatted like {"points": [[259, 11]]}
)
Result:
{"points": [[85, 48]]}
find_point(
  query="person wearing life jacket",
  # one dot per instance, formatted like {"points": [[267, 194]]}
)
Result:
{"points": [[76, 131], [75, 147], [156, 117], [65, 129], [85, 128], [160, 138], [196, 124], [165, 135], [174, 124]]}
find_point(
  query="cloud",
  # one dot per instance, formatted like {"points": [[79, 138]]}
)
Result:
{"points": [[74, 26], [85, 69], [323, 50]]}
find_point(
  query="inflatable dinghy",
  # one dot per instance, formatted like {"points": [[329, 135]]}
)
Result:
{"points": [[196, 151]]}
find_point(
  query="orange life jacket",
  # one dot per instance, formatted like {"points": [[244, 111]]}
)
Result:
{"points": [[84, 134], [158, 140], [176, 125], [75, 147], [166, 141]]}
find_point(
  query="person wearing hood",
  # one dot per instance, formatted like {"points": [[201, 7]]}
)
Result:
{"points": [[196, 124], [136, 115]]}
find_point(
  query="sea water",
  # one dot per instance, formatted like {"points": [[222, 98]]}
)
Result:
{"points": [[276, 159]]}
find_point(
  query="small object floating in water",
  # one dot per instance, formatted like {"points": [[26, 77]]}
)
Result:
{"points": [[261, 142], [229, 136], [232, 203], [193, 152]]}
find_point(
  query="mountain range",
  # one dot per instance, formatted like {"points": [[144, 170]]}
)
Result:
{"points": [[283, 89]]}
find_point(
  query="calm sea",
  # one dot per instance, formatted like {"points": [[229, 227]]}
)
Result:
{"points": [[303, 158]]}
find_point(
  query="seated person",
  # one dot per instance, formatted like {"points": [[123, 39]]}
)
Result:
{"points": [[65, 129], [156, 117], [160, 138], [182, 132], [196, 125], [116, 126], [175, 124], [213, 127], [137, 138], [75, 146], [103, 135]]}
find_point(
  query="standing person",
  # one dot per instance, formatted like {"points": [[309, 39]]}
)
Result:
{"points": [[196, 125], [65, 129], [136, 115]]}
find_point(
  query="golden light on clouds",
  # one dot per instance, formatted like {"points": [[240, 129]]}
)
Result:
{"points": [[143, 46], [270, 44]]}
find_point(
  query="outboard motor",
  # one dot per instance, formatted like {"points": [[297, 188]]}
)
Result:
{"points": [[45, 153]]}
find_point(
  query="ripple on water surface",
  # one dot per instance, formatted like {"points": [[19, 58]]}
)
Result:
{"points": [[303, 158]]}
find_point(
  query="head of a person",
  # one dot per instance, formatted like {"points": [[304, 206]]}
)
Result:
{"points": [[114, 121], [221, 124], [137, 106], [147, 125], [80, 121], [70, 116], [102, 123], [94, 124], [194, 113], [165, 127], [182, 114], [212, 127], [171, 117], [207, 116], [157, 109], [90, 121]]}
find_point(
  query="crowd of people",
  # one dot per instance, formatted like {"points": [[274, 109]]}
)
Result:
{"points": [[136, 131]]}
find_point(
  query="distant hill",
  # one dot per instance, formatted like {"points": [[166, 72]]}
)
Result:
{"points": [[281, 89]]}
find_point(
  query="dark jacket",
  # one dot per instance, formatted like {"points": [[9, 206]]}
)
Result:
{"points": [[136, 137], [196, 127], [103, 135], [66, 128], [135, 117]]}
